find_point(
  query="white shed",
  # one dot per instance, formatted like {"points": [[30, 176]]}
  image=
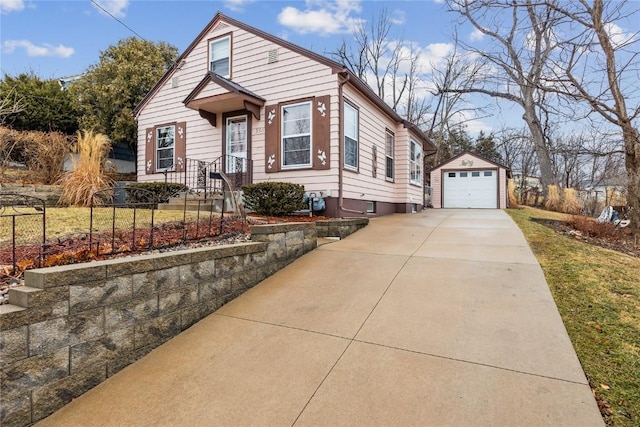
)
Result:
{"points": [[469, 180]]}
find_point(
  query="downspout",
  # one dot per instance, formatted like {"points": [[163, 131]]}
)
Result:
{"points": [[341, 207]]}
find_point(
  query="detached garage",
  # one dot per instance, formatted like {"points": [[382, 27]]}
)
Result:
{"points": [[469, 181]]}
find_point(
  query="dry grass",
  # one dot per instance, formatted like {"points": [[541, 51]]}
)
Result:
{"points": [[552, 202], [88, 175], [513, 200], [597, 292], [570, 203]]}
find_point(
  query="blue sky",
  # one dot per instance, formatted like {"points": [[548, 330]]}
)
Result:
{"points": [[56, 38], [61, 38]]}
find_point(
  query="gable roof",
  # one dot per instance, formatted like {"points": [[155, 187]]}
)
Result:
{"points": [[474, 155], [336, 67]]}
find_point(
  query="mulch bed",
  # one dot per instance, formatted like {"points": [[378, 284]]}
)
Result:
{"points": [[604, 235]]}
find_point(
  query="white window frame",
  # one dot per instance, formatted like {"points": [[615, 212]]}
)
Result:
{"points": [[172, 147], [415, 163], [389, 155], [217, 41], [349, 133], [283, 136]]}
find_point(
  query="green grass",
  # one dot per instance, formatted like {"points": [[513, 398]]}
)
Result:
{"points": [[597, 292], [62, 222]]}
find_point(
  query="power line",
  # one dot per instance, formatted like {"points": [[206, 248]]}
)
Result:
{"points": [[123, 24]]}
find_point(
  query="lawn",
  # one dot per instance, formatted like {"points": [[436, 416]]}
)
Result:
{"points": [[61, 222], [597, 292]]}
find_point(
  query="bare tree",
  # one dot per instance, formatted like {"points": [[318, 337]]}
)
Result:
{"points": [[522, 40], [600, 69], [386, 63], [451, 111], [10, 103]]}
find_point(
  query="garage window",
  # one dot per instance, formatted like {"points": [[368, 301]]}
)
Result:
{"points": [[488, 173], [475, 173], [452, 174], [463, 174]]}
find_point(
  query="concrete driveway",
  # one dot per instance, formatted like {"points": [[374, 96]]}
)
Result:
{"points": [[437, 318]]}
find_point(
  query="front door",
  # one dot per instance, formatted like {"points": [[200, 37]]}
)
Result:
{"points": [[236, 160]]}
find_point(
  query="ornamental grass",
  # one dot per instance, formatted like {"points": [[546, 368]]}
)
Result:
{"points": [[88, 169]]}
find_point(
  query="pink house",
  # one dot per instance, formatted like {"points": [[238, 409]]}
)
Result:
{"points": [[259, 108]]}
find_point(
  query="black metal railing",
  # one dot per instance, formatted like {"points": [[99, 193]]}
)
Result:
{"points": [[205, 177]]}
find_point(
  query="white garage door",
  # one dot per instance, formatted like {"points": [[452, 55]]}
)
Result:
{"points": [[470, 189]]}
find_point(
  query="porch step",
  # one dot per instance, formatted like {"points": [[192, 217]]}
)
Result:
{"points": [[195, 202]]}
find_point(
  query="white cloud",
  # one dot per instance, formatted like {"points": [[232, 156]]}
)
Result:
{"points": [[116, 8], [476, 35], [237, 5], [322, 17], [7, 6], [617, 35], [398, 17], [60, 51]]}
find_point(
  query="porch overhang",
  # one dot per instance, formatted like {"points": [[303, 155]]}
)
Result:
{"points": [[227, 96]]}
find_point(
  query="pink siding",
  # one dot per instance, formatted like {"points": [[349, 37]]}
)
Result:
{"points": [[462, 163]]}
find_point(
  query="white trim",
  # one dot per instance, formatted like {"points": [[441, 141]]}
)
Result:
{"points": [[283, 136]]}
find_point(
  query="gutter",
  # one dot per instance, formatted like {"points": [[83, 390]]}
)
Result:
{"points": [[341, 207]]}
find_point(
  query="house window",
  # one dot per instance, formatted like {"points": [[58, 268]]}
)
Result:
{"points": [[389, 149], [350, 137], [296, 135], [415, 163], [371, 207], [165, 144], [219, 56]]}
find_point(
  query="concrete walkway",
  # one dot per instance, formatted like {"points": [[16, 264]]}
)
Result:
{"points": [[437, 318]]}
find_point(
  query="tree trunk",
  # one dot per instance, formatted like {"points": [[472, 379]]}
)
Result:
{"points": [[632, 164], [547, 174]]}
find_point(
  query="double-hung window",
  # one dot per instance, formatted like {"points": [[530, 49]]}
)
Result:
{"points": [[389, 149], [296, 135], [415, 163], [165, 147], [220, 56], [350, 137]]}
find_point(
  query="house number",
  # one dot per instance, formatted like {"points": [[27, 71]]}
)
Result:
{"points": [[258, 131]]}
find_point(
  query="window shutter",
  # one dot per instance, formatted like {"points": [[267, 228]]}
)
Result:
{"points": [[150, 151], [272, 139], [181, 146], [321, 135]]}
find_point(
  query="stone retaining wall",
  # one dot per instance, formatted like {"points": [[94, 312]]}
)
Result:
{"points": [[49, 193], [71, 327], [340, 227]]}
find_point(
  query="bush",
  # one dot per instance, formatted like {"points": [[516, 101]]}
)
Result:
{"points": [[274, 198], [153, 192], [88, 175], [552, 202], [570, 203], [45, 153], [511, 188]]}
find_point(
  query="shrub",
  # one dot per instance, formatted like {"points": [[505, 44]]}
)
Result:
{"points": [[44, 154], [88, 175], [274, 198], [570, 203], [153, 192], [552, 202], [513, 200]]}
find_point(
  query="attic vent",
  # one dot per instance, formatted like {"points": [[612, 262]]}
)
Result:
{"points": [[220, 26], [273, 56], [175, 82]]}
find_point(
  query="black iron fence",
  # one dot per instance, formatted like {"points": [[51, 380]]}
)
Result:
{"points": [[22, 232], [119, 220]]}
